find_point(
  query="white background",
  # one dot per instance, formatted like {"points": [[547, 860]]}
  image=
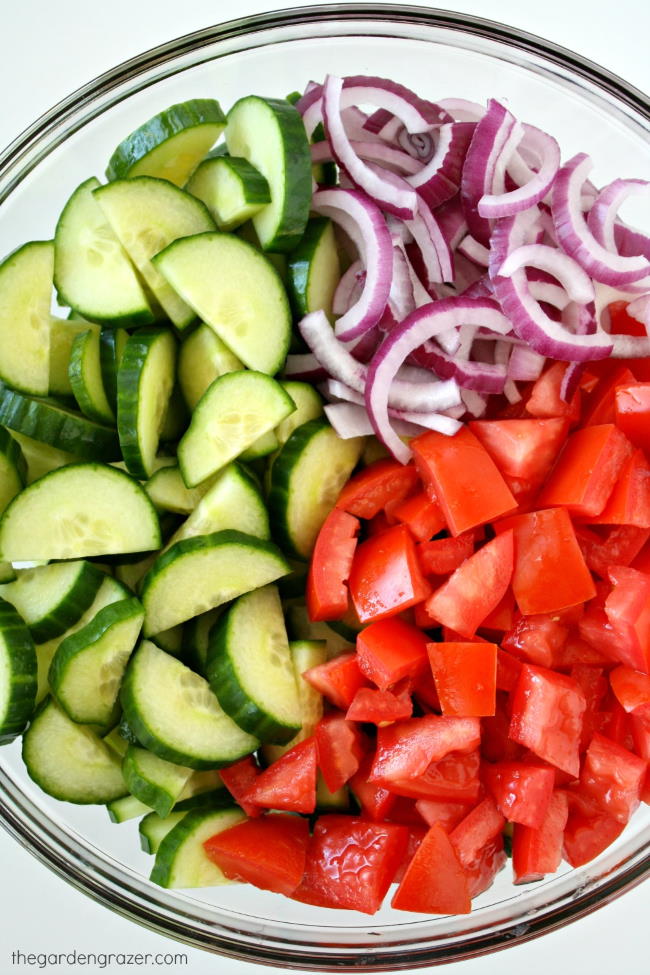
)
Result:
{"points": [[50, 47]]}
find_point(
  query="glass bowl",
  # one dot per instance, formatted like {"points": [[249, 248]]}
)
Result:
{"points": [[439, 54]]}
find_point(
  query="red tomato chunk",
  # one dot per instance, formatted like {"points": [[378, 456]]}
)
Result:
{"points": [[386, 577], [329, 570], [269, 852], [465, 676]]}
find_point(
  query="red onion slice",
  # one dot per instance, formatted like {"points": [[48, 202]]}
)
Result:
{"points": [[494, 206], [432, 244], [525, 365], [476, 252], [440, 178], [604, 210], [349, 288], [462, 110], [425, 323], [574, 235], [362, 220]]}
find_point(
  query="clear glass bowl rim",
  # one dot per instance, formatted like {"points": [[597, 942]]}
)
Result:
{"points": [[53, 845]]}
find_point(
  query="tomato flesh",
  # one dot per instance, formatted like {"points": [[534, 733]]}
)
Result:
{"points": [[329, 569], [390, 650], [269, 852], [465, 676], [289, 783], [435, 881], [385, 577], [369, 491], [538, 851]]}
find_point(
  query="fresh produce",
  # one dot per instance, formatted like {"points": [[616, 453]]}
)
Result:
{"points": [[369, 461]]}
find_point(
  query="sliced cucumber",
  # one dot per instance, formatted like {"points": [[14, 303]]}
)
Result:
{"points": [[232, 189], [236, 410], [200, 784], [78, 511], [115, 741], [232, 500], [54, 424], [41, 457], [63, 332], [235, 290], [197, 638], [52, 598], [128, 807], [148, 214], [13, 468], [25, 298], [88, 666], [304, 654], [154, 781], [86, 379], [171, 144], [300, 627], [92, 272], [270, 133], [262, 447], [167, 490], [181, 860], [327, 801], [17, 673], [144, 383], [153, 829], [176, 418], [174, 714], [198, 574], [7, 572], [309, 406], [171, 640], [314, 269], [250, 669], [68, 761], [112, 342], [202, 358], [306, 479]]}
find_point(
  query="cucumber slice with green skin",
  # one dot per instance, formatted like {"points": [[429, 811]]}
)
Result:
{"points": [[306, 479], [88, 666], [115, 741], [69, 761], [54, 424], [198, 574], [181, 860], [270, 134], [41, 458], [128, 807], [176, 419], [13, 468], [197, 638], [171, 144], [202, 358], [153, 829], [78, 511], [314, 269], [174, 714], [25, 298], [309, 406], [17, 673], [52, 598], [171, 641], [200, 783], [167, 490], [152, 780], [235, 411], [92, 273], [304, 654], [205, 800], [293, 586], [147, 214], [86, 380], [7, 572], [248, 233], [262, 447], [235, 290], [300, 627], [112, 342], [250, 668], [63, 332], [144, 383], [232, 189]]}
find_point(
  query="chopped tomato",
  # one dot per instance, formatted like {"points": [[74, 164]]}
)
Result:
{"points": [[417, 832], [386, 577], [632, 690], [522, 792], [338, 680], [434, 882], [478, 844], [629, 502], [593, 684], [537, 852], [476, 587], [502, 617], [446, 814], [550, 573], [628, 610], [545, 399], [465, 676], [455, 778], [369, 491], [632, 409], [380, 707], [463, 478], [523, 449], [613, 777], [586, 471], [269, 852], [289, 783], [374, 799], [405, 749], [441, 556], [351, 863], [621, 323], [619, 546], [329, 569], [588, 831], [339, 748], [238, 778], [421, 515], [547, 710], [391, 649], [508, 670], [537, 639], [599, 405]]}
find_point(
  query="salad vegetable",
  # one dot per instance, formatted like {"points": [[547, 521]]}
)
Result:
{"points": [[355, 406]]}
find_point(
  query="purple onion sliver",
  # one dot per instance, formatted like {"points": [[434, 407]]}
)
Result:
{"points": [[495, 206], [439, 180], [604, 210], [488, 142]]}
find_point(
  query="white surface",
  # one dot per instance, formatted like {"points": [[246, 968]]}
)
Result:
{"points": [[51, 48]]}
